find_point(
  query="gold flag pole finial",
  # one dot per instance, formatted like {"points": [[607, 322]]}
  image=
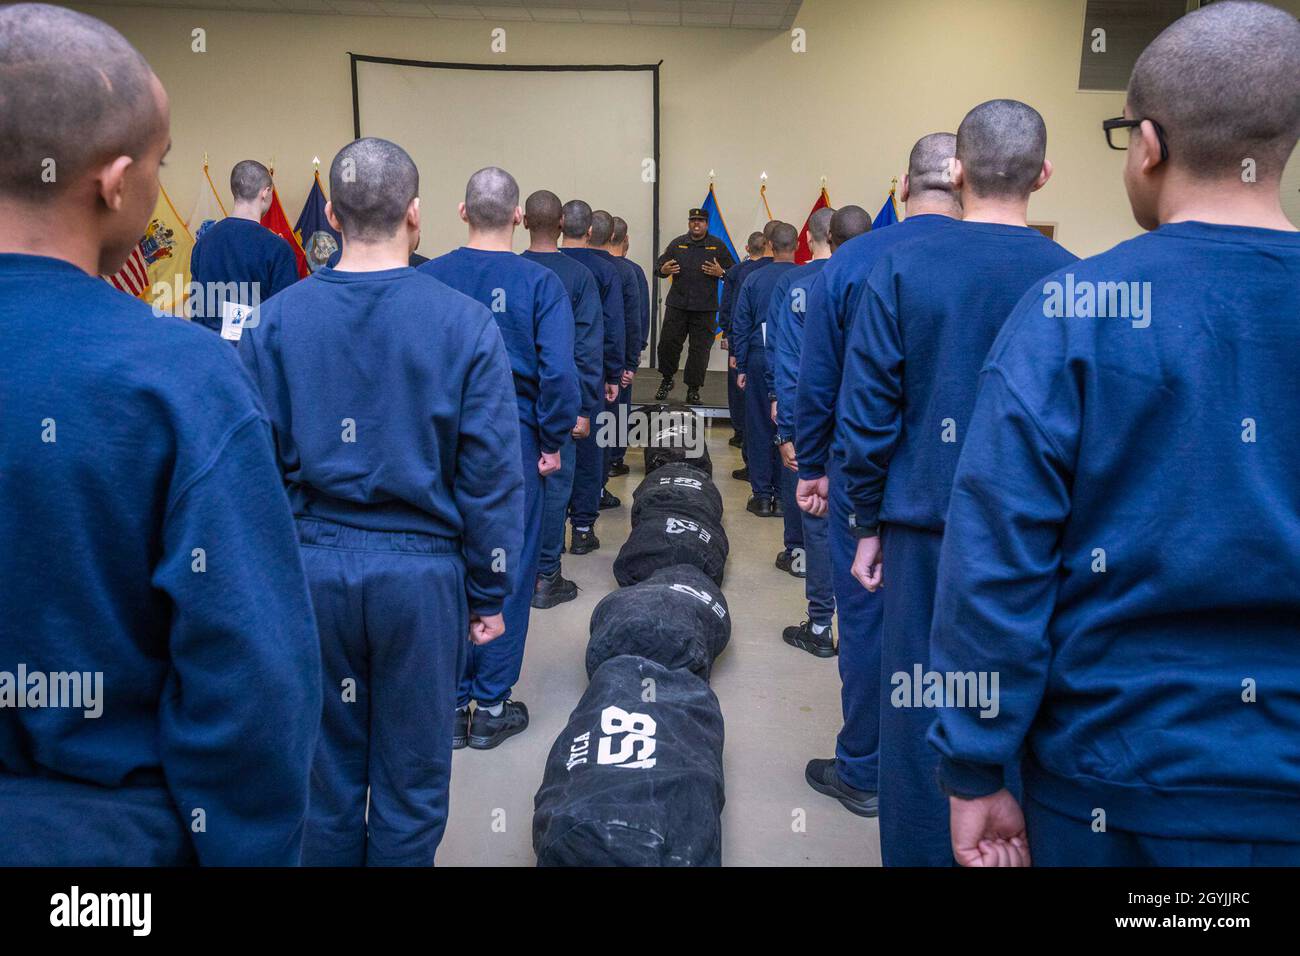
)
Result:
{"points": [[893, 185], [205, 159], [315, 162]]}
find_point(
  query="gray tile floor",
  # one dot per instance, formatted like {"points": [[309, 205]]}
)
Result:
{"points": [[781, 707]]}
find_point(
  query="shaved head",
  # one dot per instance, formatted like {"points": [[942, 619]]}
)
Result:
{"points": [[543, 211], [577, 219], [754, 245], [849, 221], [1002, 145], [619, 232], [929, 167], [602, 227], [74, 94], [767, 229], [372, 183], [1223, 83], [491, 198], [819, 225], [248, 179], [785, 238]]}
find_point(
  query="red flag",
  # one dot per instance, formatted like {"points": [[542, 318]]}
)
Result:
{"points": [[804, 252], [278, 223]]}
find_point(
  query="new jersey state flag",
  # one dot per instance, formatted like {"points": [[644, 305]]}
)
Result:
{"points": [[158, 268], [318, 239]]}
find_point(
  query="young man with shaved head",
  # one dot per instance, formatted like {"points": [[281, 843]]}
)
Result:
{"points": [[585, 235], [532, 308], [747, 338], [237, 262], [755, 248], [149, 547], [544, 219], [402, 498], [619, 243], [932, 203], [1123, 543], [785, 319], [930, 310]]}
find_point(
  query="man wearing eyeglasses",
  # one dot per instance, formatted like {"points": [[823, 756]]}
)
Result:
{"points": [[1123, 544]]}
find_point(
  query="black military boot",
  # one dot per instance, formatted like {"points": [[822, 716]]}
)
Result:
{"points": [[692, 396], [583, 542], [552, 589], [665, 389]]}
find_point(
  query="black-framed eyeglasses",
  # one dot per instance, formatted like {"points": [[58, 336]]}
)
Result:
{"points": [[1119, 130]]}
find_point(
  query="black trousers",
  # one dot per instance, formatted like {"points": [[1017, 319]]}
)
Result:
{"points": [[678, 324]]}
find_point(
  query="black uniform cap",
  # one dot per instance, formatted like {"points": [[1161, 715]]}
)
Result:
{"points": [[698, 214]]}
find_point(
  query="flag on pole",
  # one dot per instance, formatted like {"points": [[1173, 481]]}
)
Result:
{"points": [[278, 223], [717, 226], [208, 207], [317, 237], [888, 214], [762, 211], [803, 253], [158, 268]]}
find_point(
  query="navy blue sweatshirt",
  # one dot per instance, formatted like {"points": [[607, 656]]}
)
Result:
{"points": [[609, 283], [147, 537], [643, 296], [588, 326], [241, 261], [751, 312], [531, 307], [832, 302], [631, 310], [1123, 544], [391, 400], [731, 282], [785, 325], [930, 311]]}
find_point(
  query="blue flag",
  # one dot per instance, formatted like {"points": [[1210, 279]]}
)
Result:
{"points": [[718, 228], [888, 214], [318, 238]]}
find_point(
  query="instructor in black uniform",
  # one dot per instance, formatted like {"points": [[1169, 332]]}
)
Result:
{"points": [[694, 262]]}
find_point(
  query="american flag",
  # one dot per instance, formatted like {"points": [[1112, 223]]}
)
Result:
{"points": [[133, 277]]}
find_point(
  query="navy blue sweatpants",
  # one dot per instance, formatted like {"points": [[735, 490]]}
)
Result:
{"points": [[491, 670], [857, 749], [817, 567], [1059, 840], [394, 626], [557, 491], [588, 480], [792, 517], [735, 402], [760, 432], [913, 810]]}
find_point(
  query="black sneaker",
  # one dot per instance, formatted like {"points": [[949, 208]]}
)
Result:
{"points": [[665, 389], [608, 501], [583, 542], [736, 441], [802, 637], [692, 396], [785, 562], [824, 778], [460, 729], [552, 589], [741, 474], [486, 731], [777, 510], [758, 505], [619, 468]]}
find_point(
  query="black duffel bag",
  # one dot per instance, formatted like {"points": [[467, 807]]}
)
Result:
{"points": [[635, 778], [662, 540], [677, 617], [677, 488], [673, 433]]}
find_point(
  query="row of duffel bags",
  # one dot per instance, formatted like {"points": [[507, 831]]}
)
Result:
{"points": [[676, 519]]}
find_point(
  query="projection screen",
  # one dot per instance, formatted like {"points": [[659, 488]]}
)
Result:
{"points": [[583, 132]]}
